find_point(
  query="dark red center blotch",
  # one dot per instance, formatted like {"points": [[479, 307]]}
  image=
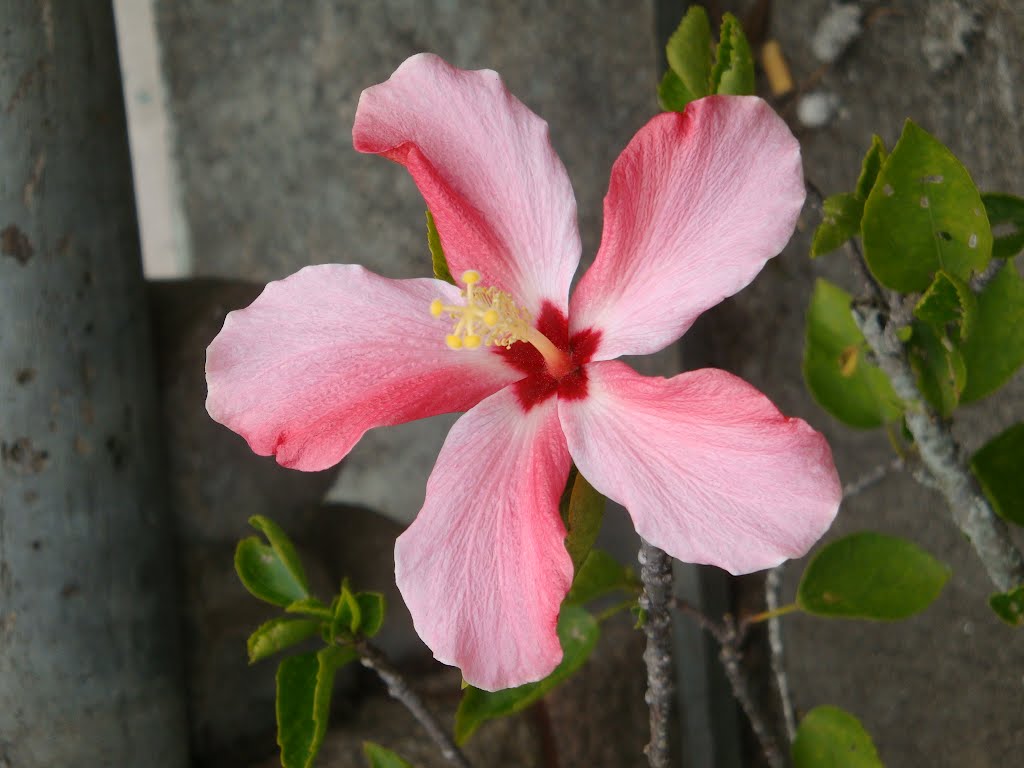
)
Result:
{"points": [[539, 384]]}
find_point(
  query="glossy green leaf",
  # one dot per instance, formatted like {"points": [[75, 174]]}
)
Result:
{"points": [[281, 545], [869, 168], [939, 367], [600, 575], [689, 53], [1006, 215], [949, 306], [1009, 606], [278, 634], [582, 513], [733, 73], [578, 632], [265, 574], [348, 613], [305, 684], [995, 348], [829, 737], [310, 607], [437, 257], [672, 94], [999, 467], [840, 221], [835, 367], [371, 612], [924, 214], [870, 576], [379, 757]]}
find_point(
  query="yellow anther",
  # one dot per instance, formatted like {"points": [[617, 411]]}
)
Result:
{"points": [[491, 317], [453, 341], [471, 277], [436, 307], [472, 341]]}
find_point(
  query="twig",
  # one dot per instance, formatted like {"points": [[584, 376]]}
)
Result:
{"points": [[772, 587], [372, 658], [940, 453], [656, 575], [869, 479]]}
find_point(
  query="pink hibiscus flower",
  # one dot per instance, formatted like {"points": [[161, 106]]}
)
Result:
{"points": [[708, 468]]}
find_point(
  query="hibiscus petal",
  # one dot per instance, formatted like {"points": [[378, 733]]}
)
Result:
{"points": [[708, 468], [334, 350], [697, 203], [483, 568], [499, 194]]}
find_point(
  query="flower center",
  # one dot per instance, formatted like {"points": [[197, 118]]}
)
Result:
{"points": [[490, 317]]}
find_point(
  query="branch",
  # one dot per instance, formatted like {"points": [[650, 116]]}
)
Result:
{"points": [[372, 658], [940, 454], [772, 585], [656, 575], [868, 480]]}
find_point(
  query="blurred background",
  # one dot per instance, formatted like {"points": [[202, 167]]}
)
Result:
{"points": [[122, 623]]}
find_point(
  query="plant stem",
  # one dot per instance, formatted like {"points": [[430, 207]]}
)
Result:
{"points": [[399, 689], [772, 587], [771, 613], [656, 575]]}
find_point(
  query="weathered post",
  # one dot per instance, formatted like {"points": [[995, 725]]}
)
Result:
{"points": [[89, 664]]}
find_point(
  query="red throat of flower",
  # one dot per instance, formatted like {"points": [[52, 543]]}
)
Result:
{"points": [[553, 362]]}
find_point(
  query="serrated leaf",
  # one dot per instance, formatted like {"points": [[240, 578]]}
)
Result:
{"points": [[995, 348], [305, 684], [582, 512], [577, 631], [829, 737], [733, 73], [689, 52], [948, 304], [265, 575], [672, 94], [600, 575], [840, 221], [1009, 606], [277, 634], [437, 257], [924, 214], [939, 367], [869, 168], [870, 575], [862, 397], [999, 467], [371, 612], [379, 757], [1006, 215]]}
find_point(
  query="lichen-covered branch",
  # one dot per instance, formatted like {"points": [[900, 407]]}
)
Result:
{"points": [[940, 453], [372, 658], [656, 575]]}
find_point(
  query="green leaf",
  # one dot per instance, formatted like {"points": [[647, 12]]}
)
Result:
{"points": [[870, 576], [578, 633], [582, 512], [840, 222], [924, 214], [869, 168], [939, 367], [672, 94], [379, 757], [948, 303], [689, 52], [733, 73], [829, 737], [278, 634], [995, 348], [1009, 606], [1006, 215], [311, 607], [441, 271], [999, 467], [371, 612], [838, 375], [304, 687], [601, 574], [348, 613], [266, 575]]}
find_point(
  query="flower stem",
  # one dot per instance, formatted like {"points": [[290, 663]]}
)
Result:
{"points": [[656, 575], [774, 613], [371, 657]]}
